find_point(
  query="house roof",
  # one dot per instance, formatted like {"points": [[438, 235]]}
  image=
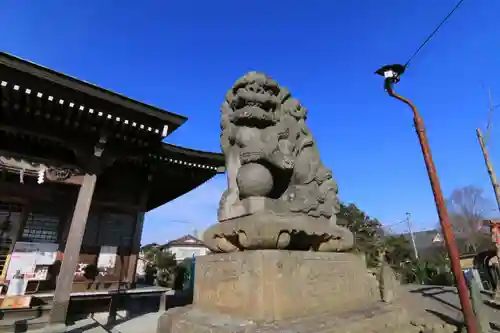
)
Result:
{"points": [[186, 240]]}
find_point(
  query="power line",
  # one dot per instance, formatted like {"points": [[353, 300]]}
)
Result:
{"points": [[394, 224], [181, 221], [433, 33]]}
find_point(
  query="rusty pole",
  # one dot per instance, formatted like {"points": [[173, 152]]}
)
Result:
{"points": [[449, 237]]}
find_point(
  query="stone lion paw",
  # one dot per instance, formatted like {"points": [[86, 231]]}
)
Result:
{"points": [[224, 245]]}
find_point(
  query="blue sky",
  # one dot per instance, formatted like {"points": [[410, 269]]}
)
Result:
{"points": [[184, 55]]}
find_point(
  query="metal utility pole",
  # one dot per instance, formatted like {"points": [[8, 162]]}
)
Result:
{"points": [[489, 166], [408, 222], [486, 155], [392, 75]]}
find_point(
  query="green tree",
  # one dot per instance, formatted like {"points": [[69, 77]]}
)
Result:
{"points": [[367, 231], [162, 262], [148, 247], [371, 239], [397, 249], [436, 272]]}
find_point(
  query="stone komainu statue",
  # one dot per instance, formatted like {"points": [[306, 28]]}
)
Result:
{"points": [[279, 194]]}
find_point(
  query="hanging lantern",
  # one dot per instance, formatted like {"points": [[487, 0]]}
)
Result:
{"points": [[41, 175]]}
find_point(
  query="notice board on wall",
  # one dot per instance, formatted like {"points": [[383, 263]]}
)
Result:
{"points": [[107, 259], [29, 258]]}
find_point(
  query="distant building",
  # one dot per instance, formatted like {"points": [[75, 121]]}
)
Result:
{"points": [[187, 246], [428, 242]]}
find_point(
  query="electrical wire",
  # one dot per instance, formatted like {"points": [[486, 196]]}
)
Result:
{"points": [[433, 33], [394, 224]]}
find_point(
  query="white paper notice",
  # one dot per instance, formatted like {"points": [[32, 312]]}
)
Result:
{"points": [[107, 257], [27, 256]]}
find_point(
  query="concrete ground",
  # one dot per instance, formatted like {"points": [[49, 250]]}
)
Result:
{"points": [[145, 323], [440, 302], [443, 303]]}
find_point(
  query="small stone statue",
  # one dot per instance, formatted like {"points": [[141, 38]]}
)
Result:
{"points": [[279, 194], [388, 283]]}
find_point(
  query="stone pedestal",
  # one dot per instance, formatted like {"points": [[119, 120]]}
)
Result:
{"points": [[283, 291], [266, 285]]}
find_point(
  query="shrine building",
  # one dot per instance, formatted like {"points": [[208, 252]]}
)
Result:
{"points": [[80, 166]]}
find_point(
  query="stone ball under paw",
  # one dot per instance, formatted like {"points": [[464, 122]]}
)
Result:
{"points": [[254, 180]]}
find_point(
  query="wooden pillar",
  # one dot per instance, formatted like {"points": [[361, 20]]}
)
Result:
{"points": [[135, 249], [64, 226], [136, 238], [71, 257]]}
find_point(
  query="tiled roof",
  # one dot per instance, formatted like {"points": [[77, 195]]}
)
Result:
{"points": [[187, 240]]}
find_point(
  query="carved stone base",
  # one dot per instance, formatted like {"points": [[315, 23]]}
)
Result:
{"points": [[267, 284], [290, 291], [273, 231]]}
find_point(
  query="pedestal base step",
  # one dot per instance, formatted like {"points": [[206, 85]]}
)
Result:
{"points": [[380, 318]]}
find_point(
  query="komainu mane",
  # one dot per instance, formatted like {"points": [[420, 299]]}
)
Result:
{"points": [[279, 195]]}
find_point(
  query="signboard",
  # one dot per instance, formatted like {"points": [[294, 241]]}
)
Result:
{"points": [[31, 258], [16, 302], [467, 263], [107, 259], [437, 238]]}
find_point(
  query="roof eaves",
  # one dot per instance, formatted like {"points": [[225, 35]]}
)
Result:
{"points": [[93, 90], [217, 158]]}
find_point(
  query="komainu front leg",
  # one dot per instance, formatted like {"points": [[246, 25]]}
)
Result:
{"points": [[230, 197], [281, 160]]}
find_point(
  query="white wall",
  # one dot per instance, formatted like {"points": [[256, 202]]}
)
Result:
{"points": [[183, 252]]}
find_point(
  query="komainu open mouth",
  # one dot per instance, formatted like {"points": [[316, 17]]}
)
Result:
{"points": [[253, 116], [256, 104]]}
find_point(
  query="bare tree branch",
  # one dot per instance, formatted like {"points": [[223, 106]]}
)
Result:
{"points": [[468, 207]]}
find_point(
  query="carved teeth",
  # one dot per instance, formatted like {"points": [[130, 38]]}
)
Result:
{"points": [[254, 103]]}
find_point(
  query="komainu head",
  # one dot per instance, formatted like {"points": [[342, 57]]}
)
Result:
{"points": [[257, 100]]}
